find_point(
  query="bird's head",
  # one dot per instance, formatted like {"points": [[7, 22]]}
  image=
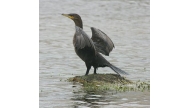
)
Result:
{"points": [[72, 16], [76, 18]]}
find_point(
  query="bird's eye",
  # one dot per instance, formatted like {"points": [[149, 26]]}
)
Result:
{"points": [[71, 16]]}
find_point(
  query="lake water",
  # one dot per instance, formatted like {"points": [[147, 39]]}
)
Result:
{"points": [[126, 22]]}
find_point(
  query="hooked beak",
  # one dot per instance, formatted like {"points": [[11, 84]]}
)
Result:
{"points": [[66, 15]]}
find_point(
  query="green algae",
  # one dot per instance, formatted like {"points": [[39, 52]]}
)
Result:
{"points": [[111, 82]]}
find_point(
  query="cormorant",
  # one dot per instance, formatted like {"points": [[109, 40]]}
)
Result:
{"points": [[88, 49]]}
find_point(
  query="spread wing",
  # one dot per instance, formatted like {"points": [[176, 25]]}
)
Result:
{"points": [[81, 40], [102, 42]]}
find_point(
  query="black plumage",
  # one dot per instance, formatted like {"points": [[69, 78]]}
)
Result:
{"points": [[88, 49]]}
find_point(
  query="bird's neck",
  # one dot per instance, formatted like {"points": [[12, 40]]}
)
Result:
{"points": [[79, 23]]}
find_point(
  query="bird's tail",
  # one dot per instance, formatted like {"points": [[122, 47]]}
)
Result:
{"points": [[117, 70]]}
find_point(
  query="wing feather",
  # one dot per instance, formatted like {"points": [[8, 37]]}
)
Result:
{"points": [[81, 40], [102, 42]]}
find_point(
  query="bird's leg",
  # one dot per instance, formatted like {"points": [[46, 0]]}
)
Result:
{"points": [[95, 70], [88, 68]]}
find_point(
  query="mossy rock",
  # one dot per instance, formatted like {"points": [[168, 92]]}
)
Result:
{"points": [[104, 82]]}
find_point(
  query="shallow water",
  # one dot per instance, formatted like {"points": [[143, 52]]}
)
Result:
{"points": [[126, 22]]}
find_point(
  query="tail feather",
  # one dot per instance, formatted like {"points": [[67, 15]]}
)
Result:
{"points": [[117, 70]]}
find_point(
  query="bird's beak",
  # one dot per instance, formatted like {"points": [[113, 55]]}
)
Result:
{"points": [[71, 17]]}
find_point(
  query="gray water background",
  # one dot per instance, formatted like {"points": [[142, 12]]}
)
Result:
{"points": [[126, 22]]}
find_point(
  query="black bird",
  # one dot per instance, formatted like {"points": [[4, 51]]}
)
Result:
{"points": [[88, 48]]}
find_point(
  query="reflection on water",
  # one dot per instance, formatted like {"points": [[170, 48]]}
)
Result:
{"points": [[126, 22], [112, 99]]}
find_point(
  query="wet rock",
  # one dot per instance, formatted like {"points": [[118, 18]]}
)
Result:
{"points": [[103, 82]]}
